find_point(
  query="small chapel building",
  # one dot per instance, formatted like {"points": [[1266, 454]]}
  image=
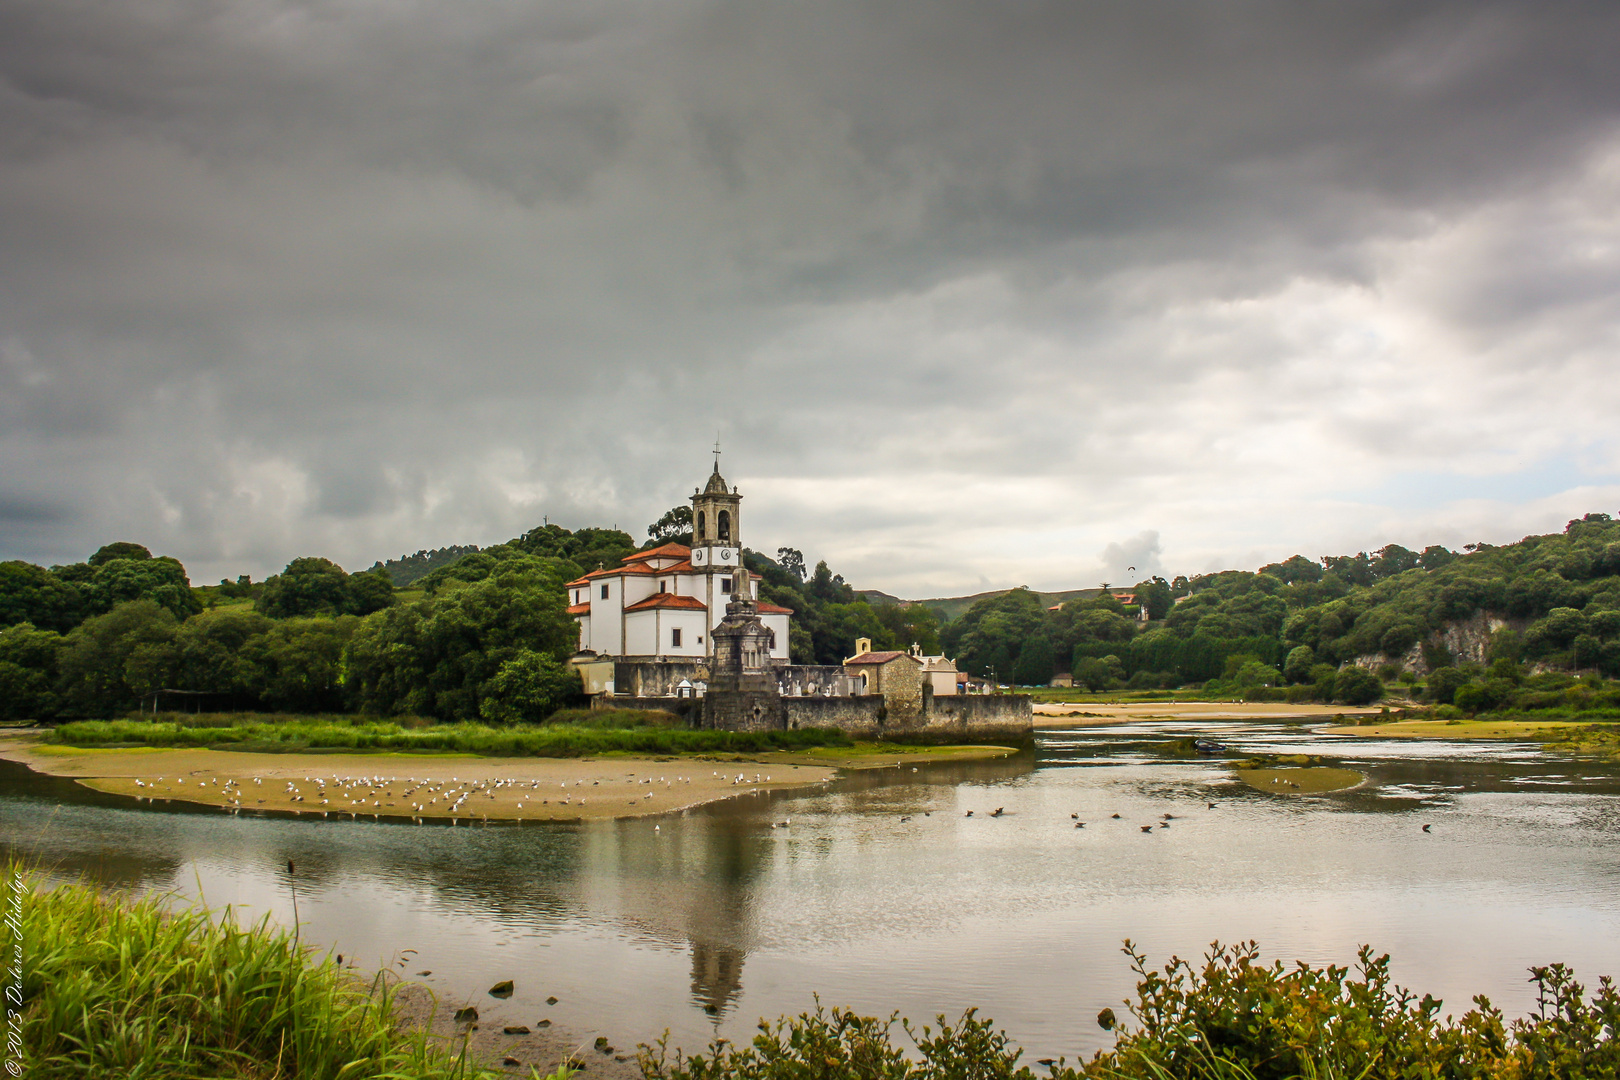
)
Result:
{"points": [[666, 602]]}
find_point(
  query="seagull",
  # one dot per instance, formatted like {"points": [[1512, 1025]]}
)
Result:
{"points": [[1425, 828], [969, 813], [1147, 828], [1079, 824]]}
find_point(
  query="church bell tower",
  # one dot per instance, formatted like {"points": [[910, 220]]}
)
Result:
{"points": [[716, 538]]}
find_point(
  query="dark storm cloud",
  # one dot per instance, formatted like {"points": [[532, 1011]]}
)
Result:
{"points": [[966, 289]]}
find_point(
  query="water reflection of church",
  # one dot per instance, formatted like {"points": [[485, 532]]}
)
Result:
{"points": [[692, 886]]}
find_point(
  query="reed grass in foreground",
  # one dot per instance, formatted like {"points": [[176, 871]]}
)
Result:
{"points": [[633, 734], [132, 989]]}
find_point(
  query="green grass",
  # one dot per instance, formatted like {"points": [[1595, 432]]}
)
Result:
{"points": [[575, 734], [120, 988]]}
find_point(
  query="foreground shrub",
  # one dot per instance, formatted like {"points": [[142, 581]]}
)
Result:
{"points": [[1231, 1019]]}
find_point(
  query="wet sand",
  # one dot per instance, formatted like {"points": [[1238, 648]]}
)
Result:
{"points": [[1088, 714], [446, 787]]}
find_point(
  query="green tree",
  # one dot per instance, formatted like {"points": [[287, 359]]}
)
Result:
{"points": [[308, 586], [434, 657], [296, 665], [1355, 685], [1036, 662], [675, 527], [119, 549], [1443, 683], [369, 591], [28, 672], [1093, 672], [162, 580], [33, 594], [791, 560], [1297, 668], [528, 688], [93, 659]]}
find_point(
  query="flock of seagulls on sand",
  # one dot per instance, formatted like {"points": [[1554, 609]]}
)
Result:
{"points": [[414, 797]]}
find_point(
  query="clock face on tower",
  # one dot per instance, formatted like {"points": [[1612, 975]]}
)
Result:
{"points": [[725, 556]]}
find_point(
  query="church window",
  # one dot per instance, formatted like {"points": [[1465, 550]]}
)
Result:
{"points": [[725, 585], [663, 586], [675, 637], [702, 534], [604, 592], [723, 521]]}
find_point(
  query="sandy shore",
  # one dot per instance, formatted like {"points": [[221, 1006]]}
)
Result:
{"points": [[446, 787], [1087, 714]]}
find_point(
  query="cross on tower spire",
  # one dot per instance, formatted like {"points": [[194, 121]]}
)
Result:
{"points": [[716, 455]]}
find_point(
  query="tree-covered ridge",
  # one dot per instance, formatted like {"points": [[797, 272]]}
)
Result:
{"points": [[1556, 599], [407, 568]]}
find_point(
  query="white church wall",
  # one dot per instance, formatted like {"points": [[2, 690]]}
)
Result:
{"points": [[606, 616], [778, 625]]}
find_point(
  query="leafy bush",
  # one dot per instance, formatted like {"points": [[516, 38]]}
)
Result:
{"points": [[1231, 1019]]}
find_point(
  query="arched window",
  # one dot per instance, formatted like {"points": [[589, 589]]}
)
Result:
{"points": [[723, 521], [701, 535]]}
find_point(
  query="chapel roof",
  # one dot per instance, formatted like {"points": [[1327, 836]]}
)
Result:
{"points": [[670, 550], [879, 658], [668, 600], [765, 607], [579, 609]]}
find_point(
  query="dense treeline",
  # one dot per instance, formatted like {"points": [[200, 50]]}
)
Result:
{"points": [[1327, 625], [486, 636], [483, 637]]}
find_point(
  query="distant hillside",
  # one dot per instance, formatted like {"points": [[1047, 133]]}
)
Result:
{"points": [[952, 607], [407, 568]]}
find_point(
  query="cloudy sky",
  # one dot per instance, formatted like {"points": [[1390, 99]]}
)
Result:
{"points": [[973, 295]]}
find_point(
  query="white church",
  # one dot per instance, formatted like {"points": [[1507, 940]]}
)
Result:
{"points": [[664, 603]]}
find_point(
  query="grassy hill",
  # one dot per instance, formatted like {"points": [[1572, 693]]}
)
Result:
{"points": [[951, 607]]}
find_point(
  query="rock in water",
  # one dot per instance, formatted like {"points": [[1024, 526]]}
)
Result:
{"points": [[515, 1029], [1106, 1020], [551, 1001], [467, 1015], [501, 989]]}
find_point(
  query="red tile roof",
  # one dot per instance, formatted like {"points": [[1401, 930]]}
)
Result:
{"points": [[668, 600], [579, 609], [879, 657], [580, 581], [665, 551], [768, 608]]}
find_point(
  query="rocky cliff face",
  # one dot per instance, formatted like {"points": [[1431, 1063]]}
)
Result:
{"points": [[1469, 641]]}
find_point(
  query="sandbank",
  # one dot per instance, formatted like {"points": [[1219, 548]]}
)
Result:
{"points": [[1313, 780], [1088, 714], [1520, 730], [450, 787]]}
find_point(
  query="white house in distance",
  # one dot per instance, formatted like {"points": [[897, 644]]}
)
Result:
{"points": [[662, 603]]}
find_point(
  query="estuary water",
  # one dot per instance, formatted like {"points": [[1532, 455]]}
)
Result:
{"points": [[878, 892]]}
